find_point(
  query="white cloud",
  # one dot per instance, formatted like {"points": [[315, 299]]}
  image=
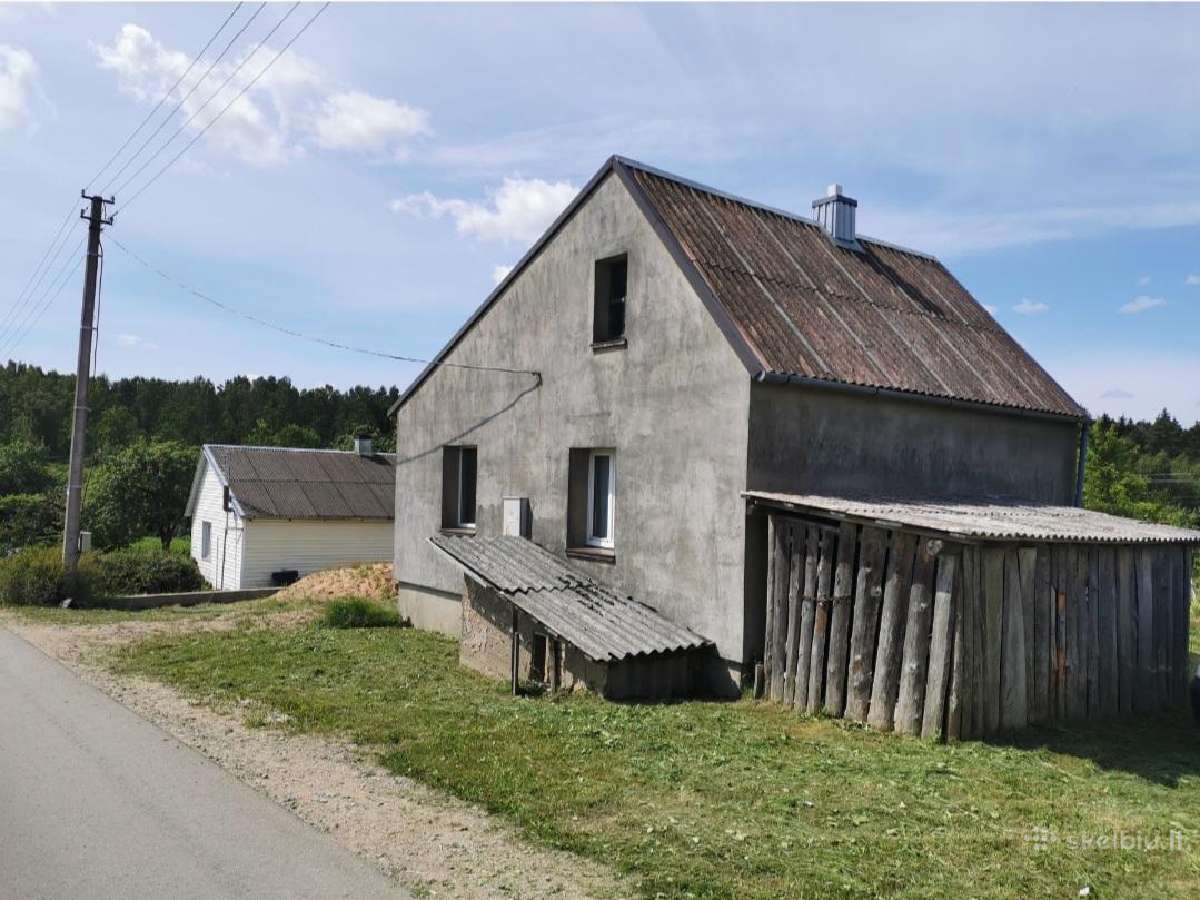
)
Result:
{"points": [[1142, 303], [1143, 281], [1150, 376], [291, 108], [520, 210], [135, 342], [1029, 307], [18, 82], [1116, 393], [1192, 280], [356, 121], [499, 273]]}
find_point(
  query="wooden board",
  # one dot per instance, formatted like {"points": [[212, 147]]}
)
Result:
{"points": [[783, 556], [1126, 632], [1060, 577], [1014, 695], [816, 668], [1106, 599], [769, 614], [1144, 697], [959, 691], [840, 617], [993, 632], [941, 643], [1027, 560], [1076, 582], [795, 585], [868, 596], [914, 666], [894, 613], [812, 559], [1162, 625], [1041, 650]]}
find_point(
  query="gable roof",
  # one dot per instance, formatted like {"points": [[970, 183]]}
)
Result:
{"points": [[603, 625], [794, 305], [288, 483]]}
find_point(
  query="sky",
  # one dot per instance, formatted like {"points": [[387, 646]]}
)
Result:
{"points": [[375, 182]]}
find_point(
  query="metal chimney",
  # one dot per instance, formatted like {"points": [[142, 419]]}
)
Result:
{"points": [[362, 446], [835, 213]]}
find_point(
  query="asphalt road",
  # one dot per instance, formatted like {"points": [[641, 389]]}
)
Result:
{"points": [[96, 802]]}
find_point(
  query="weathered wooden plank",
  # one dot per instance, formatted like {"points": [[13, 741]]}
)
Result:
{"points": [[941, 643], [1043, 637], [840, 617], [1014, 692], [1179, 624], [1106, 599], [808, 603], [894, 613], [783, 550], [816, 668], [993, 643], [1027, 561], [914, 668], [1144, 700], [1061, 561], [1076, 631], [969, 594], [769, 613], [1162, 626], [1092, 636], [1126, 632], [958, 660], [795, 585], [868, 596]]}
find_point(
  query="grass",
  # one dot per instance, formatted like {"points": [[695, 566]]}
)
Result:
{"points": [[724, 800], [359, 613], [181, 545], [244, 610]]}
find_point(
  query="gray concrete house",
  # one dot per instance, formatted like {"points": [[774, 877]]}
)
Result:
{"points": [[663, 370]]}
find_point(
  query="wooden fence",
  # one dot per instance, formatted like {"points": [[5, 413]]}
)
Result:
{"points": [[948, 640]]}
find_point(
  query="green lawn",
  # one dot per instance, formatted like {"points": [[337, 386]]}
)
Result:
{"points": [[247, 611], [729, 800]]}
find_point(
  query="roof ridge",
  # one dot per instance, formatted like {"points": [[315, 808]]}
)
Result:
{"points": [[294, 449]]}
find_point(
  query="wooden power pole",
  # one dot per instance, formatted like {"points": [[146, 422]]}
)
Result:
{"points": [[83, 368]]}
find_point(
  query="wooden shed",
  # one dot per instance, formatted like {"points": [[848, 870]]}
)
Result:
{"points": [[963, 619]]}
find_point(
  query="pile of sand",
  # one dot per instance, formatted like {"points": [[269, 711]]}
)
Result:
{"points": [[371, 580]]}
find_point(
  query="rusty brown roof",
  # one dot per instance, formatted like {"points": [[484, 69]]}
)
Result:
{"points": [[570, 604], [287, 483]]}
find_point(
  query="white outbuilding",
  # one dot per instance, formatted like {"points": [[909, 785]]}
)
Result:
{"points": [[264, 515]]}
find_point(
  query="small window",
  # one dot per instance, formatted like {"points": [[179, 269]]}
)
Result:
{"points": [[608, 320], [459, 470], [205, 539], [602, 483]]}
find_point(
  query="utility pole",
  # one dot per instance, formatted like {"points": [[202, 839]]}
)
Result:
{"points": [[83, 368]]}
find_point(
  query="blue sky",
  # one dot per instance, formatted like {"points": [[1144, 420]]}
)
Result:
{"points": [[370, 186]]}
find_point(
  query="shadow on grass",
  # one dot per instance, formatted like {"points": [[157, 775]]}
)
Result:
{"points": [[1159, 748]]}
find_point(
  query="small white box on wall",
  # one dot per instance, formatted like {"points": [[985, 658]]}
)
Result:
{"points": [[516, 516]]}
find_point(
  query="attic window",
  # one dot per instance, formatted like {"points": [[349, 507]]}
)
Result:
{"points": [[608, 319], [459, 468]]}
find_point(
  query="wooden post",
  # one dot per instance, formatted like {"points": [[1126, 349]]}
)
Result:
{"points": [[808, 603], [839, 620], [1126, 632], [968, 592], [1014, 708], [816, 668], [1145, 633], [783, 540], [555, 666], [993, 645], [759, 681], [868, 594], [914, 668], [888, 653], [795, 584], [940, 650], [958, 665], [769, 616], [516, 650], [973, 594], [1043, 637], [1106, 599]]}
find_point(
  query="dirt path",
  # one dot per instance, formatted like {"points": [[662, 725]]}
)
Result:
{"points": [[433, 844]]}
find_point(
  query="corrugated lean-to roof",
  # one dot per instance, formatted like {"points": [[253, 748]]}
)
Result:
{"points": [[602, 625]]}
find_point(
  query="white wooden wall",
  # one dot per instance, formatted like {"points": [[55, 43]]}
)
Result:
{"points": [[227, 548], [306, 546]]}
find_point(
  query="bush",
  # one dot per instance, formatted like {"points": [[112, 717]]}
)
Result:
{"points": [[29, 519], [359, 614], [141, 571], [36, 576]]}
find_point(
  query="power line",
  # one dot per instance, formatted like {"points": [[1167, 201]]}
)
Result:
{"points": [[183, 100], [291, 332], [212, 97], [21, 296], [51, 295], [150, 115]]}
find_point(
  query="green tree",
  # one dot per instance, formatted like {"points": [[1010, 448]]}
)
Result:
{"points": [[293, 435], [23, 468], [117, 427], [142, 489]]}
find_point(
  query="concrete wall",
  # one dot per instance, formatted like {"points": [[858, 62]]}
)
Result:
{"points": [[307, 546], [223, 566], [673, 403], [814, 440]]}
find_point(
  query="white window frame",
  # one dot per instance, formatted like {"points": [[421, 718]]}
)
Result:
{"points": [[591, 538], [205, 539], [458, 506]]}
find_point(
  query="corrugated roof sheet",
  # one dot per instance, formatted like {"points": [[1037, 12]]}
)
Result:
{"points": [[602, 625], [285, 483], [879, 316], [973, 520]]}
